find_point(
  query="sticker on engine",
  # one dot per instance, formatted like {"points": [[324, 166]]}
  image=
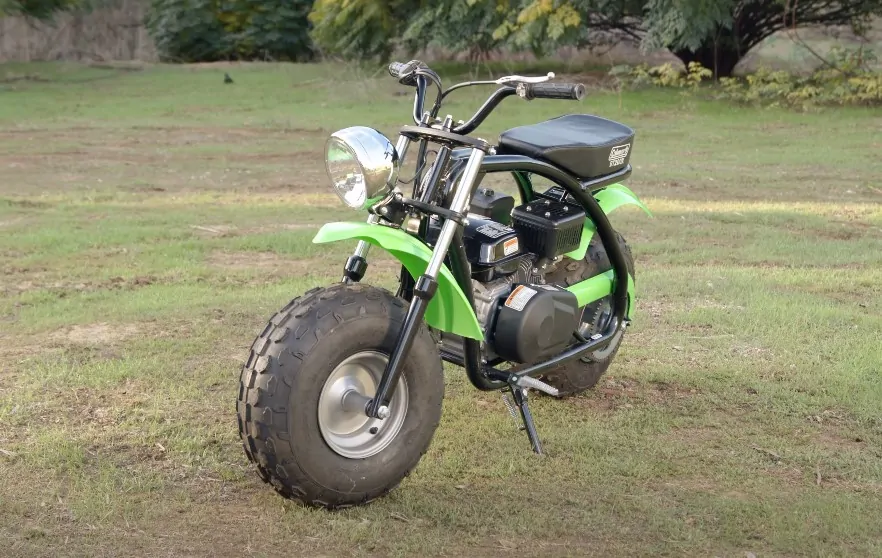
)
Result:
{"points": [[510, 247], [494, 230], [519, 297], [618, 153]]}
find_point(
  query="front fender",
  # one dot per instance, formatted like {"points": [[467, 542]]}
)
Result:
{"points": [[610, 198], [449, 310]]}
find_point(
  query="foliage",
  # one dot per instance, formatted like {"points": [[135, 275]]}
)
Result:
{"points": [[665, 75], [188, 31], [542, 25], [847, 81], [276, 29], [457, 25], [360, 29], [714, 33], [208, 30], [718, 33], [38, 9]]}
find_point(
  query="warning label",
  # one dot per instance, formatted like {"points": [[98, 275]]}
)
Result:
{"points": [[494, 230], [510, 247], [519, 297]]}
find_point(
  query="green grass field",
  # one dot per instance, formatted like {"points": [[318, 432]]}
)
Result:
{"points": [[151, 221]]}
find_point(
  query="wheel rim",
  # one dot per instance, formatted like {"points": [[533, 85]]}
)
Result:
{"points": [[602, 316], [348, 431]]}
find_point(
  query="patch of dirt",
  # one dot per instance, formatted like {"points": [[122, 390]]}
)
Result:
{"points": [[614, 393], [230, 230], [695, 435], [787, 473], [752, 353], [98, 333], [839, 441], [39, 281], [262, 261]]}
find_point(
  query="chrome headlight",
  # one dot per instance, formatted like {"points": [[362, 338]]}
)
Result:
{"points": [[362, 165]]}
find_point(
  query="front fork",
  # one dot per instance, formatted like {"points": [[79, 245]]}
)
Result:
{"points": [[423, 291]]}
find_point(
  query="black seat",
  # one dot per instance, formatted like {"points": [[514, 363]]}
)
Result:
{"points": [[586, 146]]}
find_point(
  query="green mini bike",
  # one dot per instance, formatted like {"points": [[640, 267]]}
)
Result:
{"points": [[342, 391]]}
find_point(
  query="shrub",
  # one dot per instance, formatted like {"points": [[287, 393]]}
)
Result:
{"points": [[210, 30], [666, 75], [846, 79]]}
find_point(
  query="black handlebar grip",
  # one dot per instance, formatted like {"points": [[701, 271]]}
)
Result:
{"points": [[566, 91], [397, 68]]}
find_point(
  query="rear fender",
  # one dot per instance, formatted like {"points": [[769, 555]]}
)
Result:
{"points": [[610, 198], [449, 310]]}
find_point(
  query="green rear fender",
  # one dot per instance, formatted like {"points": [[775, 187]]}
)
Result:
{"points": [[610, 198], [449, 309]]}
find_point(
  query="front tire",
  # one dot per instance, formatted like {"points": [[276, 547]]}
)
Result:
{"points": [[311, 353]]}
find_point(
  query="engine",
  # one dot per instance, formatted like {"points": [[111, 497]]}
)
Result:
{"points": [[524, 320]]}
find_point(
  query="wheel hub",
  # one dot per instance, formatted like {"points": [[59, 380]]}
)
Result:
{"points": [[342, 420]]}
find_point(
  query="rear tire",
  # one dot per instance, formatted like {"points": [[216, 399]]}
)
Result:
{"points": [[285, 431], [579, 375]]}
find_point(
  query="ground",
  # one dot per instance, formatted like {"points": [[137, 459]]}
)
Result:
{"points": [[151, 221]]}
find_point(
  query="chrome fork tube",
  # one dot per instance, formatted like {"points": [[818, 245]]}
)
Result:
{"points": [[423, 291], [457, 205]]}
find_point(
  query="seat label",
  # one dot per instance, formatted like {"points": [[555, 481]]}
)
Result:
{"points": [[618, 153]]}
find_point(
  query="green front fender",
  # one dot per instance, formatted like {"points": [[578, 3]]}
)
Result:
{"points": [[449, 309], [610, 198]]}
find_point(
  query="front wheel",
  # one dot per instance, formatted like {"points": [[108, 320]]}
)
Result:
{"points": [[303, 389]]}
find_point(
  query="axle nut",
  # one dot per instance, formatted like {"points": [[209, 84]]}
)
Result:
{"points": [[383, 412]]}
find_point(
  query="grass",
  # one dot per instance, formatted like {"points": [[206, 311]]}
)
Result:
{"points": [[151, 221]]}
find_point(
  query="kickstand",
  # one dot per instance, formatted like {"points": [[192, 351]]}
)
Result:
{"points": [[520, 399]]}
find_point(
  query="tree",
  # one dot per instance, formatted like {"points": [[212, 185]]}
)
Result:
{"points": [[38, 9], [716, 33], [210, 30], [459, 26], [360, 29], [719, 33]]}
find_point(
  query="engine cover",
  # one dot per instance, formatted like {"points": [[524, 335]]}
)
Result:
{"points": [[492, 249], [535, 322]]}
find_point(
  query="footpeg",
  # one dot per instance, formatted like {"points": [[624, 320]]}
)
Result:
{"points": [[538, 385]]}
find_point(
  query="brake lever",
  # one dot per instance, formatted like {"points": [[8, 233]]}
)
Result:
{"points": [[524, 79]]}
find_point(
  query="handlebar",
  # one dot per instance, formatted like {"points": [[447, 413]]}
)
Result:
{"points": [[396, 69], [406, 72], [415, 72], [566, 91]]}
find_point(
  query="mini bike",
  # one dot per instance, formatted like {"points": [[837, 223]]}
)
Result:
{"points": [[342, 391]]}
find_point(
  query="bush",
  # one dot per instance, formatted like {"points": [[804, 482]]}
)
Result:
{"points": [[211, 30], [666, 75], [360, 29], [846, 79]]}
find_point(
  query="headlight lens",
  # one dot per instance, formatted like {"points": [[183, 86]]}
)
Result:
{"points": [[362, 165]]}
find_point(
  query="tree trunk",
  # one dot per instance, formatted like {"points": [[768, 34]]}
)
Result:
{"points": [[718, 58]]}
